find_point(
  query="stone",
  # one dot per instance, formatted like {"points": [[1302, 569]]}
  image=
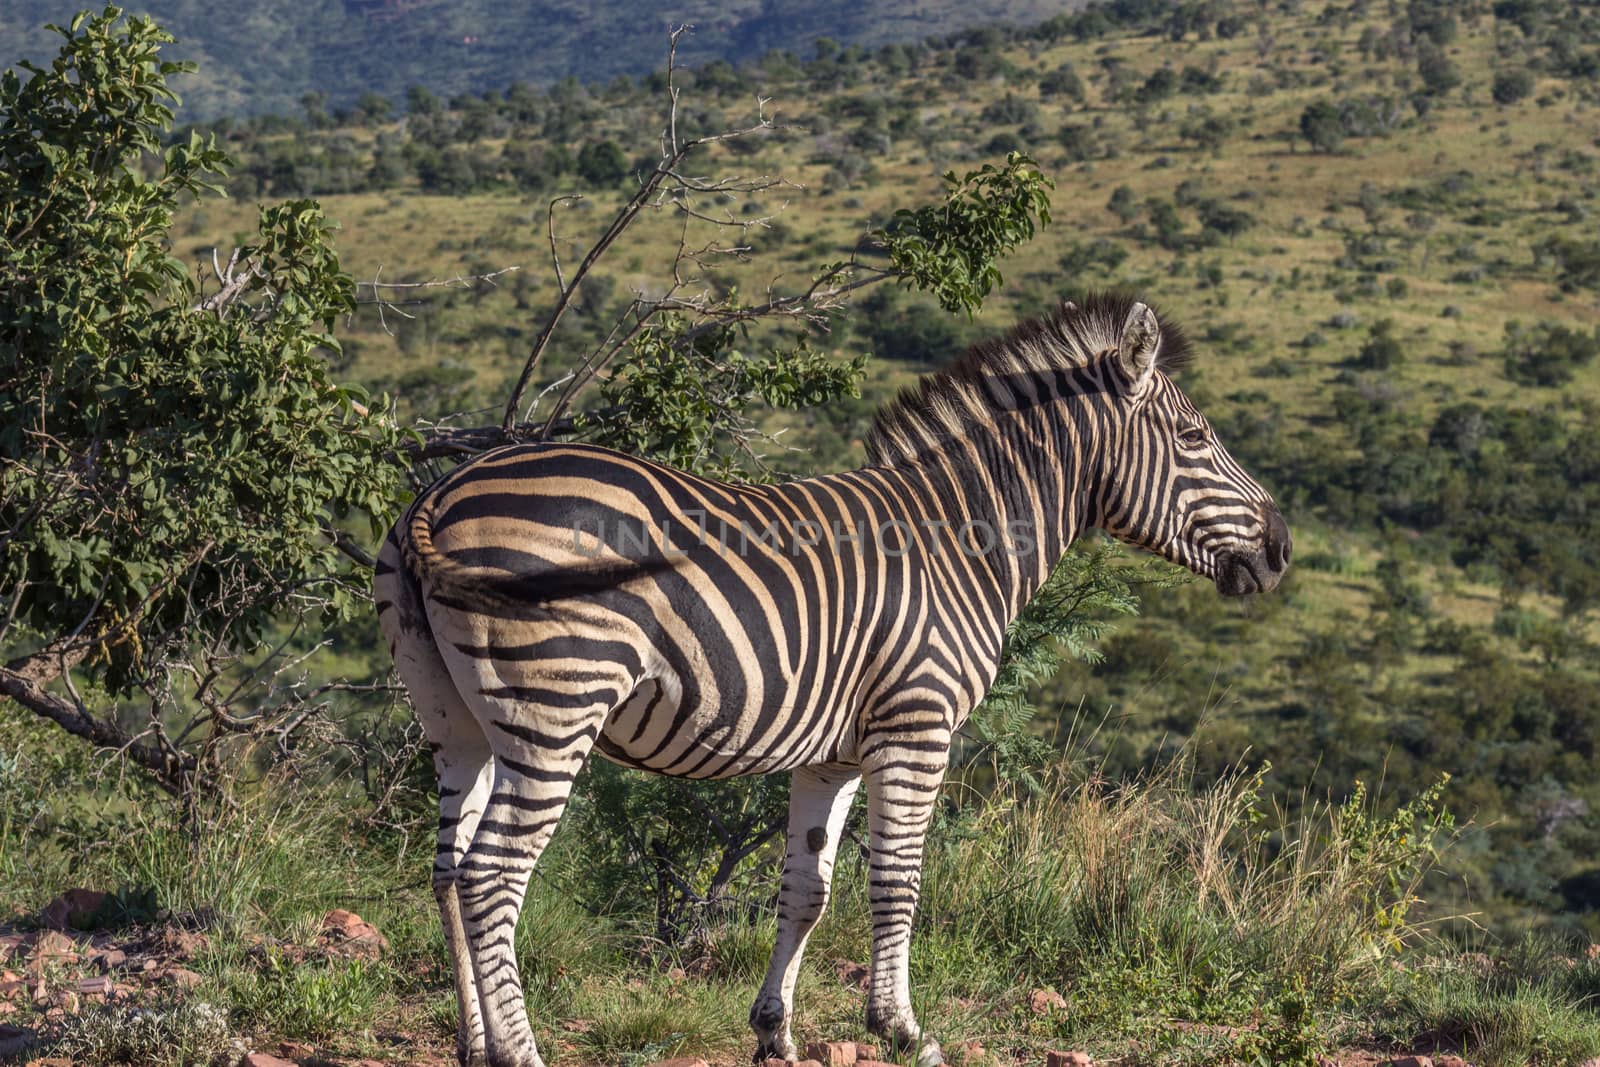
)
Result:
{"points": [[1411, 1061], [296, 1050], [110, 958], [1452, 1061], [872, 1063], [866, 1053], [53, 945], [181, 977], [1045, 1001], [73, 910], [854, 974], [179, 943], [778, 1061], [262, 1059], [344, 933], [832, 1053], [966, 1052], [98, 987], [1068, 1059]]}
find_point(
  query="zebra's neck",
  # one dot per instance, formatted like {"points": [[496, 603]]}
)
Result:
{"points": [[1022, 476]]}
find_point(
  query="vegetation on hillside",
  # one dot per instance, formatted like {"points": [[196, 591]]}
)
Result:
{"points": [[1372, 215]]}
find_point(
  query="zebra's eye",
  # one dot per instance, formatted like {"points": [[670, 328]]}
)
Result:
{"points": [[1193, 437]]}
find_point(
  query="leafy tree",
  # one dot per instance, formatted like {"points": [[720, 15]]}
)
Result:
{"points": [[1548, 353], [172, 463], [1321, 125], [1382, 349], [1439, 75], [1510, 86], [1123, 204], [602, 163], [1063, 81]]}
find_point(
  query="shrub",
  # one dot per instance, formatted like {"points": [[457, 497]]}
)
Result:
{"points": [[1547, 353], [1382, 348], [1511, 86]]}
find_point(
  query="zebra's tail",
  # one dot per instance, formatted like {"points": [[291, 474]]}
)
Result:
{"points": [[482, 585]]}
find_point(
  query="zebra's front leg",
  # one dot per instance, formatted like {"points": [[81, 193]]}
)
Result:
{"points": [[534, 770], [902, 788], [819, 800]]}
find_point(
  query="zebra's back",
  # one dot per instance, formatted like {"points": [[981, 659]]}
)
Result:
{"points": [[734, 629]]}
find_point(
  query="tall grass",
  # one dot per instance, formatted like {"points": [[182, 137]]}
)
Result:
{"points": [[1154, 902]]}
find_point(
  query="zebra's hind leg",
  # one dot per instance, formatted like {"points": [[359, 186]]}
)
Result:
{"points": [[540, 744], [902, 788], [463, 763], [819, 800]]}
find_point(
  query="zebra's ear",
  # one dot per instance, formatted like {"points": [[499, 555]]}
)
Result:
{"points": [[1141, 340]]}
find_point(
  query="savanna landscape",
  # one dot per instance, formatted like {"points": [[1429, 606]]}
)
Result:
{"points": [[1352, 820]]}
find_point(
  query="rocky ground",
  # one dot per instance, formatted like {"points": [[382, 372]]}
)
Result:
{"points": [[56, 965]]}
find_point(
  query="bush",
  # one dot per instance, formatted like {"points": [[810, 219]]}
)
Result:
{"points": [[1382, 348], [1511, 86], [1547, 354]]}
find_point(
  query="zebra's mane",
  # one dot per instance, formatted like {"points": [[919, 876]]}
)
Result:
{"points": [[943, 404]]}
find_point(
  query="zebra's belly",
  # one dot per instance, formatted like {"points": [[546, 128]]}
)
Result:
{"points": [[657, 729]]}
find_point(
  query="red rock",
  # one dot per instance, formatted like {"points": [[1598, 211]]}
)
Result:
{"points": [[1045, 1001], [832, 1053], [809, 1063], [181, 977], [110, 958], [262, 1059], [866, 1052], [1450, 1061], [967, 1052], [53, 945], [873, 1063], [100, 987], [181, 944], [1068, 1059], [681, 1061], [854, 974], [344, 933], [1411, 1061], [775, 1061], [295, 1050]]}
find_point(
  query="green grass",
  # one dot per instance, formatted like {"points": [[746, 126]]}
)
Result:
{"points": [[1183, 922]]}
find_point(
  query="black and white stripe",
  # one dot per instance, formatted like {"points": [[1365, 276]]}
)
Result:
{"points": [[543, 600]]}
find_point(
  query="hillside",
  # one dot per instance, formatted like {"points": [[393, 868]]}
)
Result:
{"points": [[266, 57], [1376, 222], [1394, 315]]}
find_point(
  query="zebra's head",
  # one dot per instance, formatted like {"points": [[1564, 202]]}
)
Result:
{"points": [[1167, 484]]}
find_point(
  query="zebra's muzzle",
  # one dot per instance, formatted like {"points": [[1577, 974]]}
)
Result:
{"points": [[1243, 573]]}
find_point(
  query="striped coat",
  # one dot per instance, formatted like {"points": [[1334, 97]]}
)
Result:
{"points": [[543, 601]]}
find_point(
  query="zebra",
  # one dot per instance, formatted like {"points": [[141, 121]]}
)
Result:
{"points": [[545, 600]]}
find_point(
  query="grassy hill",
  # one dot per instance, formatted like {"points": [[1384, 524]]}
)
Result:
{"points": [[1353, 303], [1376, 220], [266, 57]]}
